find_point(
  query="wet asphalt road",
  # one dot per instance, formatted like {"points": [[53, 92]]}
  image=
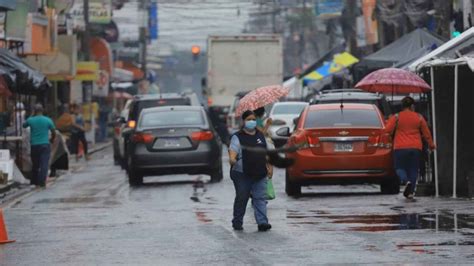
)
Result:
{"points": [[92, 217]]}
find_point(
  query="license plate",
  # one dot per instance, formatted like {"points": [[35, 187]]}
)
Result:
{"points": [[168, 143], [343, 147]]}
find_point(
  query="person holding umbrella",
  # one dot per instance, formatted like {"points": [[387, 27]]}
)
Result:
{"points": [[249, 171], [408, 127]]}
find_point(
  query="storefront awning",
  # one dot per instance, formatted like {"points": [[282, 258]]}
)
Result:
{"points": [[20, 76], [6, 5]]}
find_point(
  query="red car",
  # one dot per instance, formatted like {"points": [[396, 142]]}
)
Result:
{"points": [[346, 144]]}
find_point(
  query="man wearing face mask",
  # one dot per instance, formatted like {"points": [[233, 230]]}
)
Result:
{"points": [[259, 114], [249, 173]]}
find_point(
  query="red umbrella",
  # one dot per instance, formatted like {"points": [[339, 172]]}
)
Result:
{"points": [[393, 80], [261, 97]]}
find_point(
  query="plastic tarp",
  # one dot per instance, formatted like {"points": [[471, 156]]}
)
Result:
{"points": [[6, 5], [19, 76], [338, 63], [399, 53], [461, 46]]}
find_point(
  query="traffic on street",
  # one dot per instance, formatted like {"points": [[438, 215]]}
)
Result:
{"points": [[236, 132], [93, 217]]}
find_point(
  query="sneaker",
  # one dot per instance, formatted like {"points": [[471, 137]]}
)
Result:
{"points": [[411, 196], [264, 227], [237, 227], [407, 190]]}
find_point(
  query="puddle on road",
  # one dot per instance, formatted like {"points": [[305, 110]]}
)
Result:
{"points": [[444, 221], [436, 248], [202, 217]]}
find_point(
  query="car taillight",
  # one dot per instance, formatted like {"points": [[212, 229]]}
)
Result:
{"points": [[383, 141], [143, 138], [202, 135], [313, 141], [386, 141], [132, 124]]}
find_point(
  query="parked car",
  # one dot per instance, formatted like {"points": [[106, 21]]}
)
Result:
{"points": [[345, 145], [174, 140], [283, 114], [353, 96], [139, 103]]}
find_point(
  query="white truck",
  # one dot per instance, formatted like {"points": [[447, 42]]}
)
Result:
{"points": [[241, 63]]}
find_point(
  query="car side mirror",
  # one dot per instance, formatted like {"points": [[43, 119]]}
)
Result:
{"points": [[296, 120], [283, 132]]}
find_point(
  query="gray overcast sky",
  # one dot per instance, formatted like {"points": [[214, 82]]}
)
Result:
{"points": [[183, 23]]}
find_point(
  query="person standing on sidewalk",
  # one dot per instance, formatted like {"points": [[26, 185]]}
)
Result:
{"points": [[79, 132], [408, 128], [249, 173], [40, 126]]}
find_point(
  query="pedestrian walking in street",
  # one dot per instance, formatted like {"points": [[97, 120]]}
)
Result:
{"points": [[79, 132], [40, 126], [408, 128], [249, 172]]}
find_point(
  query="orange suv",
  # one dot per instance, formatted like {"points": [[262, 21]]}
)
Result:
{"points": [[345, 144]]}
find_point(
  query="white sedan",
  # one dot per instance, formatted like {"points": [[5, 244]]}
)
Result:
{"points": [[283, 114]]}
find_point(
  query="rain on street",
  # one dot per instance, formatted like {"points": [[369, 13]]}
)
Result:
{"points": [[93, 217]]}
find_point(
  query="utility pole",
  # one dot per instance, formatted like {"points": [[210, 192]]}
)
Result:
{"points": [[144, 37], [87, 85], [274, 10], [86, 35]]}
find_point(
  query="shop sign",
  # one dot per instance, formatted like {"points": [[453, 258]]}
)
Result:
{"points": [[60, 65], [100, 11], [87, 71], [328, 8]]}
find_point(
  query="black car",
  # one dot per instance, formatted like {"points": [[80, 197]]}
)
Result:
{"points": [[353, 96], [139, 103], [174, 140]]}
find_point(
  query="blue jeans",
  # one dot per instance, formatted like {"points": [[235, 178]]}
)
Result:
{"points": [[407, 165], [244, 187], [40, 163]]}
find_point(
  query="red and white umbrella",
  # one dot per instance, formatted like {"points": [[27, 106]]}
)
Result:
{"points": [[393, 80], [261, 97]]}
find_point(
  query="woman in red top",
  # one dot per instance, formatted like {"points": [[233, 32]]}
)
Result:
{"points": [[409, 127]]}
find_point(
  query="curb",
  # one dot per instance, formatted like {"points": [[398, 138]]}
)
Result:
{"points": [[101, 147], [9, 186]]}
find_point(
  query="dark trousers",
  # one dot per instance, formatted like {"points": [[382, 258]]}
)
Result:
{"points": [[244, 187], [77, 137], [40, 155], [407, 164]]}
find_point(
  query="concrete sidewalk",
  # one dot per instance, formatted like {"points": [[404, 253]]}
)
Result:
{"points": [[73, 166]]}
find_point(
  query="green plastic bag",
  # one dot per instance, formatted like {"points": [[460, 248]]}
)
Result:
{"points": [[270, 190]]}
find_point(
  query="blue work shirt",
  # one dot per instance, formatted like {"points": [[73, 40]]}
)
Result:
{"points": [[40, 126]]}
